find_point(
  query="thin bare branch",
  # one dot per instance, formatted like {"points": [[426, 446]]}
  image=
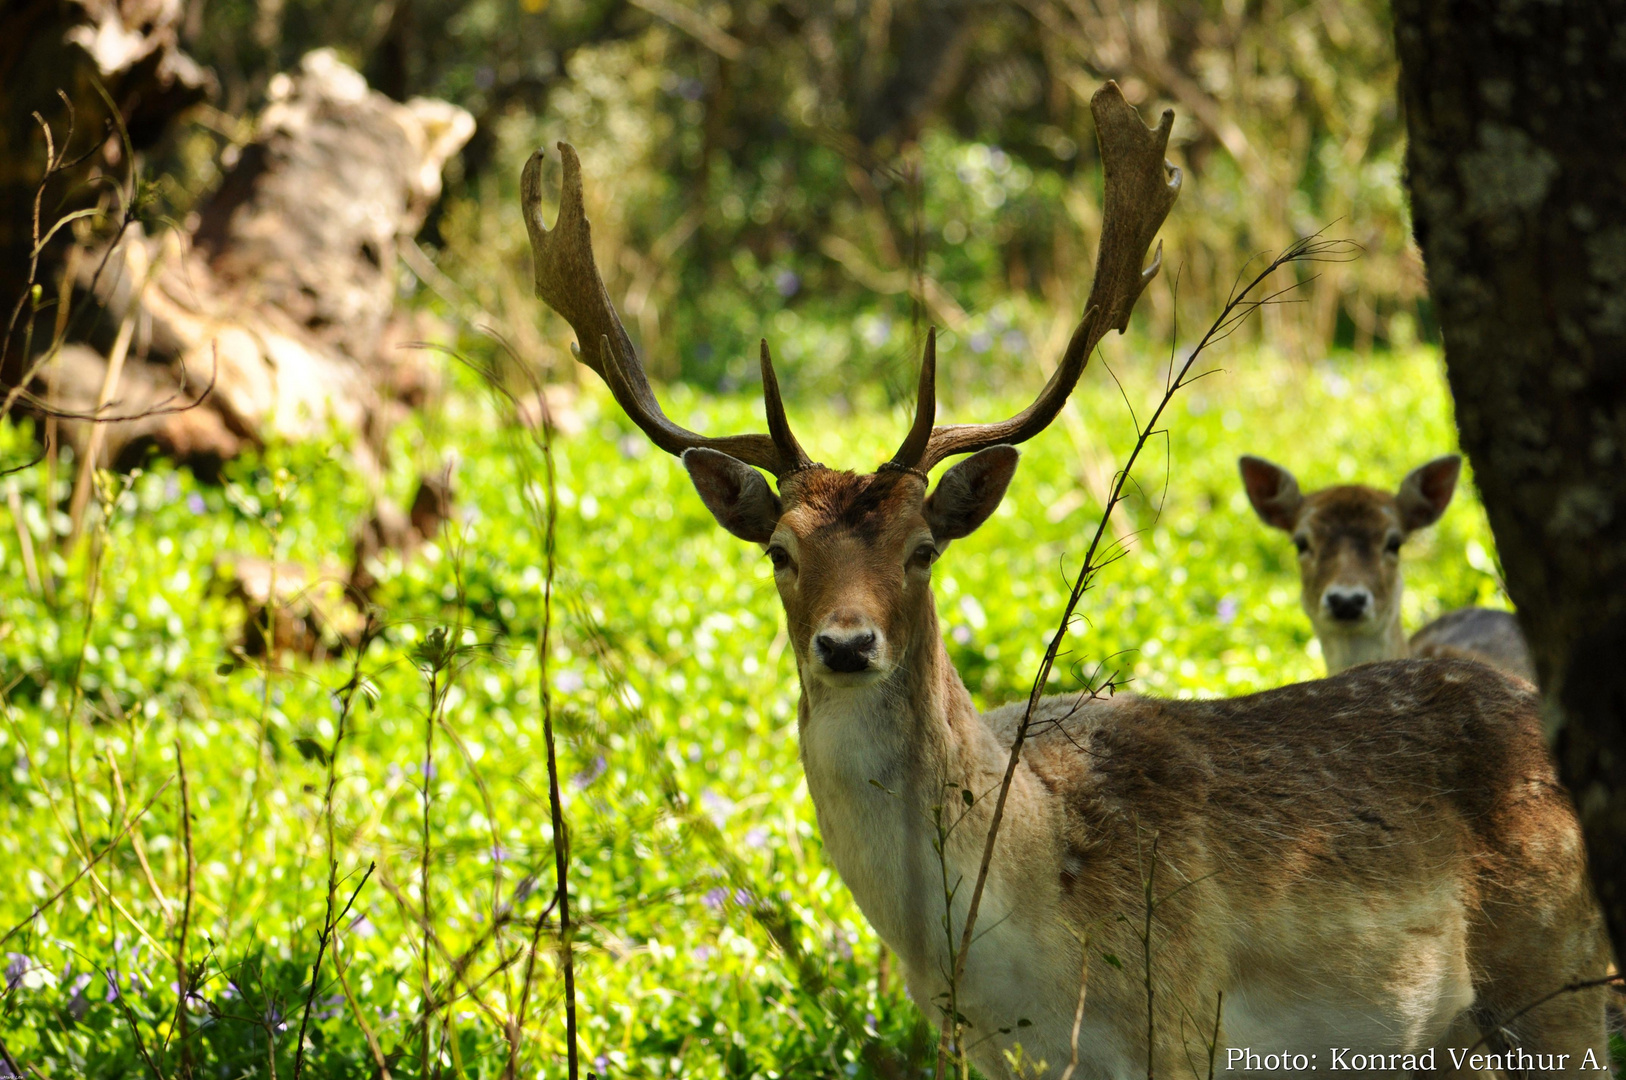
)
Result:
{"points": [[44, 905], [329, 923], [1309, 248]]}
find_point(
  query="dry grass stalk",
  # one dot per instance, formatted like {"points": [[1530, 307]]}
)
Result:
{"points": [[183, 974], [1237, 308]]}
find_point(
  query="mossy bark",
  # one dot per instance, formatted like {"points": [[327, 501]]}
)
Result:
{"points": [[1517, 175]]}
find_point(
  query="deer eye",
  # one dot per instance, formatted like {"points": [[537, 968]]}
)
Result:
{"points": [[924, 555], [1302, 543], [1392, 545], [779, 557]]}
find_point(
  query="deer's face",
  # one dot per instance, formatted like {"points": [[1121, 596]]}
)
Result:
{"points": [[1349, 538], [1348, 541], [852, 553], [852, 558]]}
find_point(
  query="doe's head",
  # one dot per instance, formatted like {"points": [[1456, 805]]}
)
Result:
{"points": [[1349, 537]]}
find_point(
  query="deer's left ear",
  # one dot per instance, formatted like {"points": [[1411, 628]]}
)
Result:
{"points": [[970, 492], [1427, 491], [736, 494]]}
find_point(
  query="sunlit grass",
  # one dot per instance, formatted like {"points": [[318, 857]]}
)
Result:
{"points": [[692, 833]]}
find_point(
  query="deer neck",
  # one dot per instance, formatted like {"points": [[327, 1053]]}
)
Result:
{"points": [[878, 760], [1382, 641]]}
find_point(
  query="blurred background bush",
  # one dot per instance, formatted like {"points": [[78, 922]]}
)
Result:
{"points": [[836, 175]]}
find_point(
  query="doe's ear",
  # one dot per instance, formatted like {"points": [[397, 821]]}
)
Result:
{"points": [[736, 494], [1427, 491], [1272, 490], [968, 493]]}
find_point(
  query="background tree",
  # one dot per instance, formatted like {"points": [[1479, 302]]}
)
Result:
{"points": [[1517, 171]]}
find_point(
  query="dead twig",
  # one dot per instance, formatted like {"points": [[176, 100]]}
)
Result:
{"points": [[1567, 988], [135, 1028], [1236, 308], [548, 512], [45, 904], [183, 982], [1078, 1013], [329, 924]]}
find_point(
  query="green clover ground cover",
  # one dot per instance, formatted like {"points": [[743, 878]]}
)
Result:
{"points": [[716, 940]]}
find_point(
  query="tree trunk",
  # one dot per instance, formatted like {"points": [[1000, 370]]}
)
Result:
{"points": [[1517, 175]]}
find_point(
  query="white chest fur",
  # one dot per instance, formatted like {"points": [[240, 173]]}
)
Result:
{"points": [[876, 832], [877, 776]]}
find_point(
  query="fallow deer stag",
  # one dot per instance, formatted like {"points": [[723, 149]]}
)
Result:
{"points": [[1348, 539], [1357, 865]]}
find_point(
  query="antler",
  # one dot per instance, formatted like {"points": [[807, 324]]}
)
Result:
{"points": [[568, 281], [1140, 189]]}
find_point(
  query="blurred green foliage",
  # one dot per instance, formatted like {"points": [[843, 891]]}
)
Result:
{"points": [[717, 940], [838, 171]]}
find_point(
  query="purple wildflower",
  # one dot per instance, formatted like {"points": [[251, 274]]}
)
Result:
{"points": [[718, 807], [878, 332], [78, 1003], [591, 773]]}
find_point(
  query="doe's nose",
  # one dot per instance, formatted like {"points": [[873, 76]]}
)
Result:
{"points": [[846, 653], [1347, 605]]}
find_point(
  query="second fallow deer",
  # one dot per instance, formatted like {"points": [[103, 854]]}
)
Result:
{"points": [[1349, 539], [1375, 862]]}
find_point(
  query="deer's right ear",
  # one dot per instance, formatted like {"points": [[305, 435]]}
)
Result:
{"points": [[736, 494], [968, 493], [1427, 491], [1272, 490]]}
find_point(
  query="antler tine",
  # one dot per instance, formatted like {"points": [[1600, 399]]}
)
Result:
{"points": [[920, 433], [790, 451], [568, 281], [1140, 190]]}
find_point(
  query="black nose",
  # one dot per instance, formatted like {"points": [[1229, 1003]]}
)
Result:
{"points": [[1346, 607], [846, 654]]}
